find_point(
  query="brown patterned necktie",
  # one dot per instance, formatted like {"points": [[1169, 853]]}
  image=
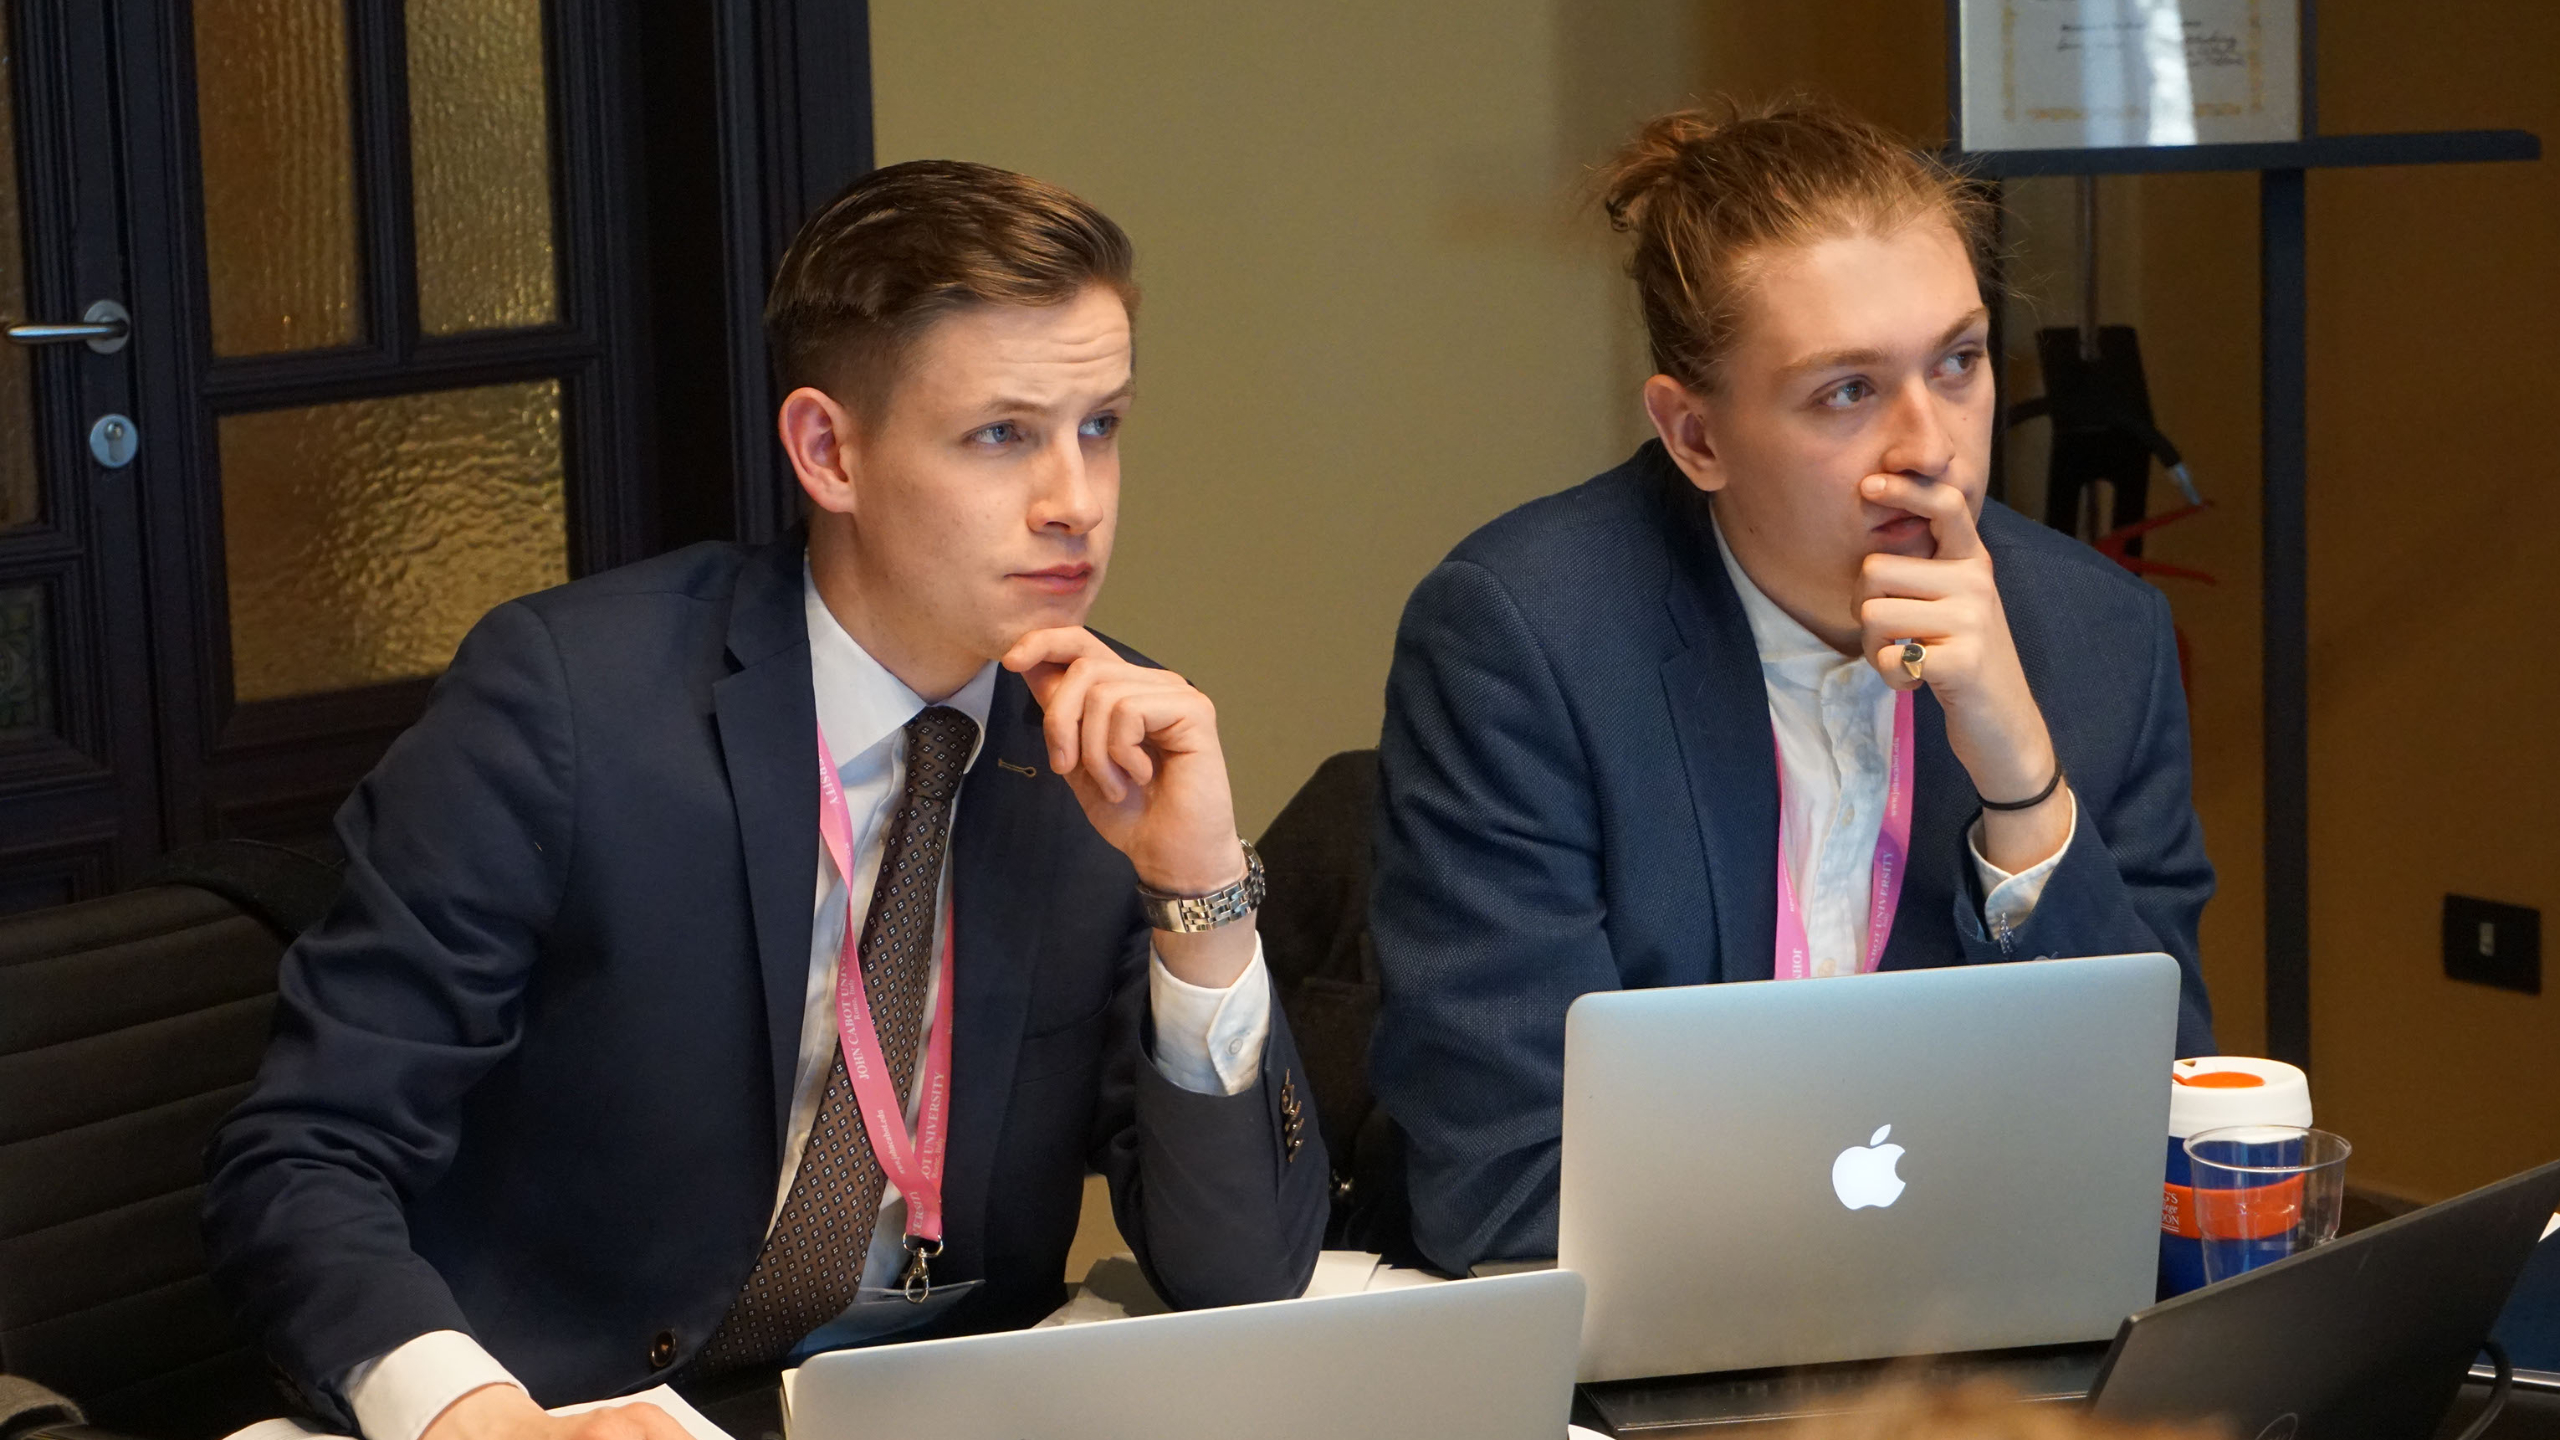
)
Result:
{"points": [[811, 1266]]}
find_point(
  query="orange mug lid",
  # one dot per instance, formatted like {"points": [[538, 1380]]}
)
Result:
{"points": [[2219, 1080]]}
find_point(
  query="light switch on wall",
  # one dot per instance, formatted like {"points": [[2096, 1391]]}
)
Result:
{"points": [[2487, 943]]}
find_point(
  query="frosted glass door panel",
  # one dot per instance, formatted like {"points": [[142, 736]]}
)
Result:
{"points": [[277, 141], [480, 152], [362, 539]]}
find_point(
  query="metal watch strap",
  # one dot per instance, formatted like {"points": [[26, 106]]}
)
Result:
{"points": [[1191, 914]]}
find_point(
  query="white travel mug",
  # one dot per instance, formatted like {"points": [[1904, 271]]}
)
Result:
{"points": [[2208, 1093]]}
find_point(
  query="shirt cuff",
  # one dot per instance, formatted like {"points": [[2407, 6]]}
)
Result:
{"points": [[2007, 900], [397, 1395], [1210, 1042]]}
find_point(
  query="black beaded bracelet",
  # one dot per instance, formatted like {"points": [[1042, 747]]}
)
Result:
{"points": [[2041, 796]]}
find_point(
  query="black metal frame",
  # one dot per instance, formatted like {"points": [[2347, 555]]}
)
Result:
{"points": [[2284, 598], [793, 132], [2284, 366]]}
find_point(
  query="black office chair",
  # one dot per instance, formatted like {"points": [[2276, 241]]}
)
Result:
{"points": [[1318, 857], [129, 1026]]}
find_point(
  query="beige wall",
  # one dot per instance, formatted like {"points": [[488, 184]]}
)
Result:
{"points": [[1374, 317], [1372, 320]]}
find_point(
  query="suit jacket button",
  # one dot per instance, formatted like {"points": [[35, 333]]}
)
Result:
{"points": [[662, 1351]]}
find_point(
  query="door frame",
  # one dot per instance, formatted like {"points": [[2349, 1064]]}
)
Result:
{"points": [[78, 801], [795, 127]]}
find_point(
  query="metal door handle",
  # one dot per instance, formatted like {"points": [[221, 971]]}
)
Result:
{"points": [[104, 329]]}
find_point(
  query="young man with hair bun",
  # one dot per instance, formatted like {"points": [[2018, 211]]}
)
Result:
{"points": [[1782, 696], [696, 873]]}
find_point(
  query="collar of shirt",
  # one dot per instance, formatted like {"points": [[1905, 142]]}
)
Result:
{"points": [[860, 704]]}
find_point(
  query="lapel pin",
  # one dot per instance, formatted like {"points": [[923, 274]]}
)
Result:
{"points": [[1031, 770]]}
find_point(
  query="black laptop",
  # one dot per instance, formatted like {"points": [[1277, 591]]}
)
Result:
{"points": [[2365, 1338]]}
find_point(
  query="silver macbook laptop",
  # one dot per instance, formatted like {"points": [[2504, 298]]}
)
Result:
{"points": [[1903, 1163], [1481, 1358]]}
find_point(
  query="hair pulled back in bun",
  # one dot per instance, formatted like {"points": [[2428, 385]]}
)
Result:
{"points": [[1708, 193]]}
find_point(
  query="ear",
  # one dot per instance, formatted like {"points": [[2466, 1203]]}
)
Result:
{"points": [[818, 435], [1684, 420]]}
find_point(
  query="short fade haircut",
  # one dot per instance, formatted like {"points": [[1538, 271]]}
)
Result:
{"points": [[906, 245]]}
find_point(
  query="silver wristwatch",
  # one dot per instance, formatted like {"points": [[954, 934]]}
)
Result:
{"points": [[1191, 914]]}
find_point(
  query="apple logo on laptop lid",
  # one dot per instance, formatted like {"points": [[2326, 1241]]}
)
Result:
{"points": [[1863, 1175]]}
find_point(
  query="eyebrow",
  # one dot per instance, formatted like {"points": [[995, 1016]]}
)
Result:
{"points": [[1844, 359], [1004, 403]]}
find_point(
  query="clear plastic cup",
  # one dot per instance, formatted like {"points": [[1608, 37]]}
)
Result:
{"points": [[2264, 1192]]}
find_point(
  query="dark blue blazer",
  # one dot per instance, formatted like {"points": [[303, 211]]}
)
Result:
{"points": [[528, 1079], [1577, 793]]}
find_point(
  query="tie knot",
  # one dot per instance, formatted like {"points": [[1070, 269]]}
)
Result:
{"points": [[938, 742]]}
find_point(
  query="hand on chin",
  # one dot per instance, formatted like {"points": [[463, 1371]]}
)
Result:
{"points": [[1139, 746]]}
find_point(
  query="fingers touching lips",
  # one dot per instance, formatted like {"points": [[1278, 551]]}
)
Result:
{"points": [[1903, 534]]}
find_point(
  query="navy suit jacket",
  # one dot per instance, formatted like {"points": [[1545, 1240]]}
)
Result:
{"points": [[1577, 793], [528, 1079]]}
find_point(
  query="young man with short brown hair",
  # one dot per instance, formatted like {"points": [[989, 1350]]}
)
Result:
{"points": [[697, 873]]}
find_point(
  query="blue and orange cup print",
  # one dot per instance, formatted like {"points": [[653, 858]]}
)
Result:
{"points": [[2206, 1093]]}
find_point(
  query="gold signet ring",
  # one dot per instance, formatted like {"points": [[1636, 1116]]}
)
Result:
{"points": [[1914, 654]]}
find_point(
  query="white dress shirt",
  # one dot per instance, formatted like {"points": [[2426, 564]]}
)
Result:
{"points": [[1833, 715], [1208, 1041]]}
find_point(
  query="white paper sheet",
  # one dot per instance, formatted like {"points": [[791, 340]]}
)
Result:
{"points": [[665, 1399], [2070, 74], [1342, 1272]]}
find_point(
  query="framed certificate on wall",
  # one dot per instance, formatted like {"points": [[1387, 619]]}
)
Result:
{"points": [[2079, 74]]}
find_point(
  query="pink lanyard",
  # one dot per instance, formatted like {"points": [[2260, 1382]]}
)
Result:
{"points": [[914, 1167], [1893, 842]]}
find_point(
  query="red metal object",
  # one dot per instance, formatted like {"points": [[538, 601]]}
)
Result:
{"points": [[2113, 543]]}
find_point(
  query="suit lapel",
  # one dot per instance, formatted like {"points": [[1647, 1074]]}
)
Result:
{"points": [[1003, 859], [1720, 712], [767, 715]]}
